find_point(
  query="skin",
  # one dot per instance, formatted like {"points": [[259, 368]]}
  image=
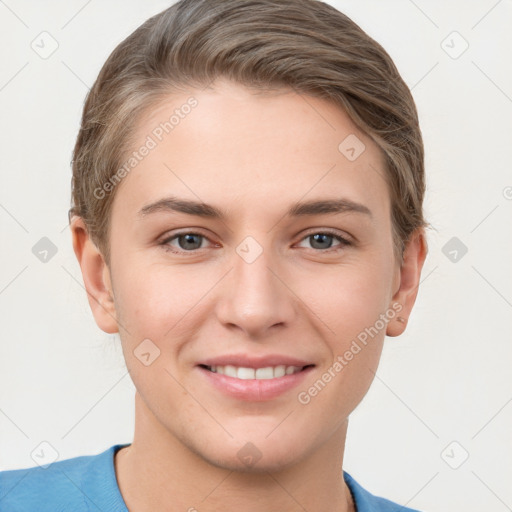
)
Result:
{"points": [[251, 155]]}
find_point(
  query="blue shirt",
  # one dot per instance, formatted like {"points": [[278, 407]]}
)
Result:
{"points": [[88, 484]]}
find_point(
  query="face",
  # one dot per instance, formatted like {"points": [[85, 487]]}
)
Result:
{"points": [[264, 277]]}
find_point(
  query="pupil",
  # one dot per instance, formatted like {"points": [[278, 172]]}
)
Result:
{"points": [[321, 236], [189, 239]]}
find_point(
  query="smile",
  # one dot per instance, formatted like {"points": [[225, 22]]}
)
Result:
{"points": [[244, 373], [256, 384]]}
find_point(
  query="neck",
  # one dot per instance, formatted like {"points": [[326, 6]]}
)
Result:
{"points": [[157, 470]]}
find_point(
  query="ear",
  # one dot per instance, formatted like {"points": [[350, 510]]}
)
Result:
{"points": [[96, 276], [409, 280]]}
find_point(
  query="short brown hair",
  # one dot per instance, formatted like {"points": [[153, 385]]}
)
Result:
{"points": [[306, 45]]}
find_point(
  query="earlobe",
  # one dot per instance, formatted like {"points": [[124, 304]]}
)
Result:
{"points": [[96, 276], [410, 273]]}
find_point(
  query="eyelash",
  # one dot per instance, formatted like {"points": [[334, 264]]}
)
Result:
{"points": [[343, 242]]}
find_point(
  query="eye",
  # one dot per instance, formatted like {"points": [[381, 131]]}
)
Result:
{"points": [[189, 242], [322, 240], [186, 242]]}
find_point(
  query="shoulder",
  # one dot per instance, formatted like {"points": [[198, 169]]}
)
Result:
{"points": [[81, 484], [367, 502]]}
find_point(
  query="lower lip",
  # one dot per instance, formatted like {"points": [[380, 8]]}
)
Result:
{"points": [[256, 390]]}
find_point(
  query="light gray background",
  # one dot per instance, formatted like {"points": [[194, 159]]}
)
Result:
{"points": [[448, 378]]}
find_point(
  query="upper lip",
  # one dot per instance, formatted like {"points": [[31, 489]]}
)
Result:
{"points": [[248, 361]]}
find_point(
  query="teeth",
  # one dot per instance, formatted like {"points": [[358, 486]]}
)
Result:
{"points": [[229, 370], [264, 373], [245, 373], [280, 371], [269, 372]]}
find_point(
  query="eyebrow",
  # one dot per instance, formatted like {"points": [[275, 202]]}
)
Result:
{"points": [[300, 209]]}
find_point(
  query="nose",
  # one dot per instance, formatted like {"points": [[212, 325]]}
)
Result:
{"points": [[255, 296]]}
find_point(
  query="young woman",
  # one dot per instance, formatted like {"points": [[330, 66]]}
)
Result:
{"points": [[248, 183]]}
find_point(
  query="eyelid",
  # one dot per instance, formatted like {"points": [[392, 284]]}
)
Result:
{"points": [[349, 239], [192, 230]]}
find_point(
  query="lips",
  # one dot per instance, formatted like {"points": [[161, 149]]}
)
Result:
{"points": [[254, 378]]}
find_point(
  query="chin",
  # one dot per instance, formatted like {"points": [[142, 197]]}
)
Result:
{"points": [[268, 463], [254, 453]]}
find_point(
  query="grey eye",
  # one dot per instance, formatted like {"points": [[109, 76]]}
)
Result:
{"points": [[321, 240], [189, 241]]}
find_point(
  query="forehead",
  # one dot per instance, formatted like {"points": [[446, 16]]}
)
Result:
{"points": [[232, 146]]}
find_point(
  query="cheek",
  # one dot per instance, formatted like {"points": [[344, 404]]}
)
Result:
{"points": [[152, 301], [349, 298], [159, 308], [352, 305], [354, 339]]}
